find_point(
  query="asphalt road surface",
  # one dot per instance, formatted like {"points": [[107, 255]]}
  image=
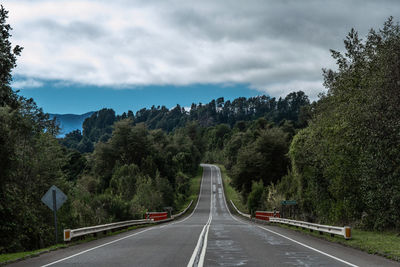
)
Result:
{"points": [[210, 236]]}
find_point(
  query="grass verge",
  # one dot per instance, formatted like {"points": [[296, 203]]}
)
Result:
{"points": [[386, 244], [194, 190], [230, 192], [12, 257]]}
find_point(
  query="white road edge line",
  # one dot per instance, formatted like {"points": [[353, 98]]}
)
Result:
{"points": [[203, 236], [105, 244], [288, 238], [198, 200], [304, 245], [90, 249]]}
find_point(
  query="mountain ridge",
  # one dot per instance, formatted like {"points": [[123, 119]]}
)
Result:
{"points": [[70, 122]]}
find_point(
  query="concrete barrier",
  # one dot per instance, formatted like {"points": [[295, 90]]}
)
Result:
{"points": [[157, 216], [265, 215]]}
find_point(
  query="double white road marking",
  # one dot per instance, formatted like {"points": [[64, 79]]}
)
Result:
{"points": [[198, 256]]}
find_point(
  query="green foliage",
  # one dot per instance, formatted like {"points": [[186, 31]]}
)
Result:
{"points": [[75, 165], [345, 164], [8, 59], [30, 159], [183, 200], [217, 116], [123, 181], [147, 198], [182, 183], [72, 139], [135, 171], [138, 170], [262, 159], [231, 193], [33, 163], [255, 198]]}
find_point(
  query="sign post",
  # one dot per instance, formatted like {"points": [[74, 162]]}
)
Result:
{"points": [[54, 199], [55, 211]]}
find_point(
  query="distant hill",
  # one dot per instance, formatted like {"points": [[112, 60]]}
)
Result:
{"points": [[70, 122]]}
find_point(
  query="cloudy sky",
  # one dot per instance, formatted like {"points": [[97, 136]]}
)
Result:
{"points": [[84, 55]]}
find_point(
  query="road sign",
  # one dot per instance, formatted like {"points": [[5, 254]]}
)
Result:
{"points": [[48, 198], [289, 202], [54, 198]]}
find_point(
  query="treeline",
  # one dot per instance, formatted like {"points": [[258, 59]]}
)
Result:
{"points": [[343, 168], [136, 170], [30, 159], [98, 127]]}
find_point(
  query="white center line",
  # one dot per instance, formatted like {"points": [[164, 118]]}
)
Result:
{"points": [[203, 238], [304, 245]]}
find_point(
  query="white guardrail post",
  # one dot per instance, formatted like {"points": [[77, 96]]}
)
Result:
{"points": [[333, 230], [71, 233]]}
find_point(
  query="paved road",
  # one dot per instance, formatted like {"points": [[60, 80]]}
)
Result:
{"points": [[210, 236]]}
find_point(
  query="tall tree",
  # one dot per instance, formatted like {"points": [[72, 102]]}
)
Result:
{"points": [[8, 61], [346, 163]]}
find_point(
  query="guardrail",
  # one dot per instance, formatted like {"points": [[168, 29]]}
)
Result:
{"points": [[71, 233], [333, 230], [182, 212], [238, 211]]}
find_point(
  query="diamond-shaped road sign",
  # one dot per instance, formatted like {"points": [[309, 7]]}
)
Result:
{"points": [[48, 198]]}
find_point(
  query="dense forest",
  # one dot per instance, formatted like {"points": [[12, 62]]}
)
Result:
{"points": [[338, 157], [294, 107], [344, 166]]}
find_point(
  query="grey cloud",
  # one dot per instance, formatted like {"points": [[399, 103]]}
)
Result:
{"points": [[241, 64], [273, 46], [321, 23], [72, 29], [216, 25]]}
